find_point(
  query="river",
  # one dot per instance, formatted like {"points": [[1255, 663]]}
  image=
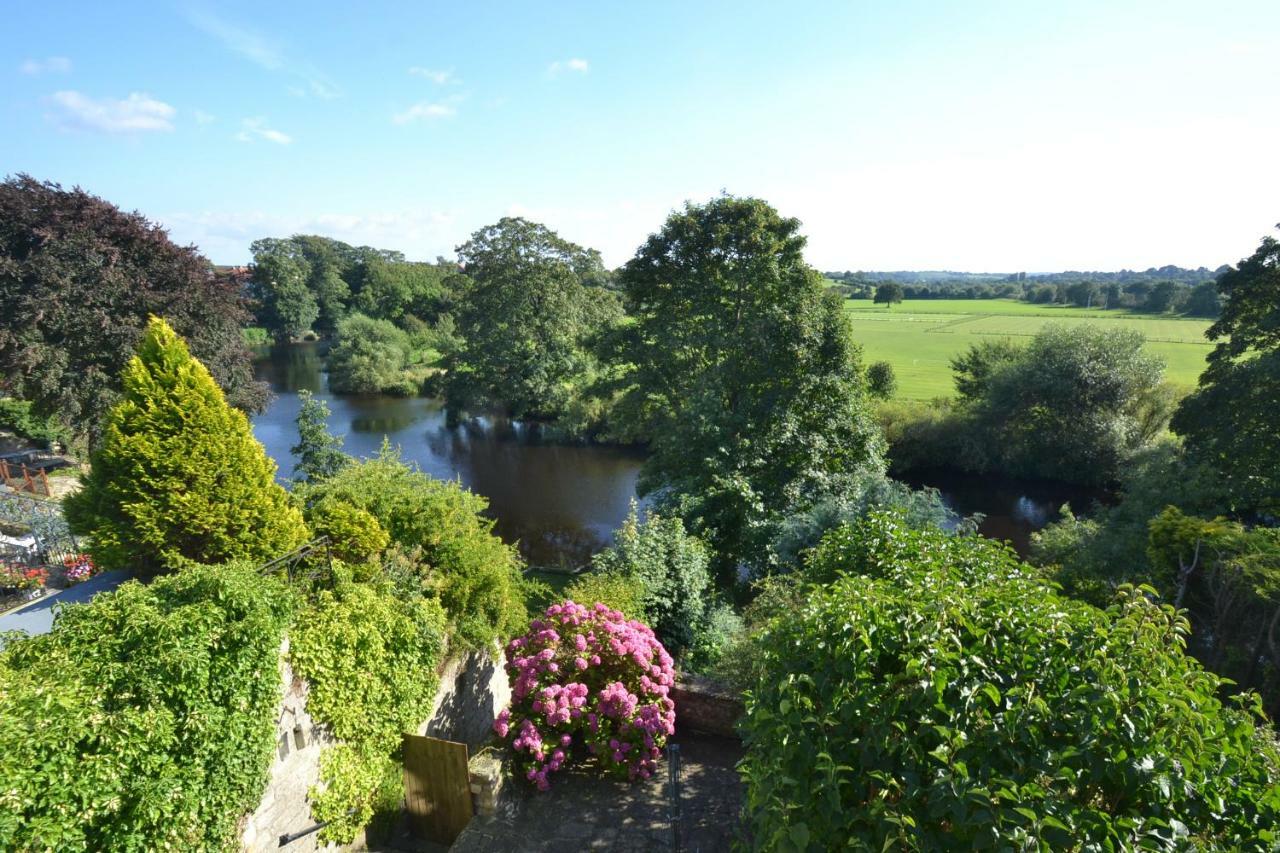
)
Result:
{"points": [[560, 503]]}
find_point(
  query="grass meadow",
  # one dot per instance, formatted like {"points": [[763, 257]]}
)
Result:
{"points": [[919, 337]]}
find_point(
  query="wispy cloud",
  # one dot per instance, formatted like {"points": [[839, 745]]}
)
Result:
{"points": [[264, 52], [579, 66], [252, 129], [203, 117], [439, 76], [48, 65], [424, 110], [136, 113]]}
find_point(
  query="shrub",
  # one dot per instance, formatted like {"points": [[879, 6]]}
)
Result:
{"points": [[146, 719], [935, 695], [354, 534], [16, 417], [178, 477], [617, 591], [586, 681], [369, 357], [881, 381], [371, 660], [456, 556], [671, 568]]}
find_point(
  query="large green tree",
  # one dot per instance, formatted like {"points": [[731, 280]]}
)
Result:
{"points": [[178, 476], [1073, 405], [744, 374], [1230, 420], [78, 280], [527, 320]]}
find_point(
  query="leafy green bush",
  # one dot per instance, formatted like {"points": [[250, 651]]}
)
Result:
{"points": [[881, 381], [370, 657], [928, 692], [178, 476], [370, 357], [146, 719], [671, 568], [354, 534], [16, 417], [456, 555], [617, 590]]}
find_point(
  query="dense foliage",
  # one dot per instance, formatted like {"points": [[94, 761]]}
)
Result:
{"points": [[308, 283], [78, 280], [1230, 420], [527, 321], [146, 719], [881, 381], [584, 680], [1074, 405], [743, 374], [370, 658], [453, 551], [178, 476], [672, 571], [371, 357], [927, 691]]}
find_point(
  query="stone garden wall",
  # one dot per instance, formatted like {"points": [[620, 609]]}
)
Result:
{"points": [[473, 688]]}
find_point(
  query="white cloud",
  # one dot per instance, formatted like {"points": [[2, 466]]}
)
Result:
{"points": [[138, 112], [424, 110], [264, 52], [256, 128], [435, 75], [580, 66], [203, 117], [48, 65], [224, 236]]}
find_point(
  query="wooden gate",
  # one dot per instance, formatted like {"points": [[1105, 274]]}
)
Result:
{"points": [[437, 787]]}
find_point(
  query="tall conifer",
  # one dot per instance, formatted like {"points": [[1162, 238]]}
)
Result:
{"points": [[178, 475]]}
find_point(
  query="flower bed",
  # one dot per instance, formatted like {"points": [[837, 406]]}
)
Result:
{"points": [[77, 568], [585, 681], [17, 578]]}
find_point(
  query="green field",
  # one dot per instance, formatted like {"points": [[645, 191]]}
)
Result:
{"points": [[919, 337]]}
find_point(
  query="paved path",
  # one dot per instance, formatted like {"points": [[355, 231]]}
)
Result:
{"points": [[584, 812], [37, 617]]}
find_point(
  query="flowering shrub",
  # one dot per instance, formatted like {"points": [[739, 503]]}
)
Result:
{"points": [[16, 577], [587, 681], [78, 567]]}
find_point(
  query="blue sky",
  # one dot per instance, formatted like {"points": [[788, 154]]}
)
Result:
{"points": [[909, 135]]}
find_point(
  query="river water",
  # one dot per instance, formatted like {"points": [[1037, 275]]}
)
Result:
{"points": [[560, 503]]}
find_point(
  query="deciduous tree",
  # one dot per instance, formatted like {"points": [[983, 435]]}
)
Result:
{"points": [[744, 374], [78, 280]]}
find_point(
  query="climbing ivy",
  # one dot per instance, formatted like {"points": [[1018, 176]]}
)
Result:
{"points": [[370, 658], [146, 719]]}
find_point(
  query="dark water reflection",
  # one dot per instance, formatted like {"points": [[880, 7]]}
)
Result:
{"points": [[1012, 509], [560, 503]]}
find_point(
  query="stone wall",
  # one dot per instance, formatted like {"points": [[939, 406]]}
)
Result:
{"points": [[473, 688], [706, 706], [295, 768]]}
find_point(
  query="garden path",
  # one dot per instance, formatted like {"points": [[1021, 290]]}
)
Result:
{"points": [[584, 812], [37, 617]]}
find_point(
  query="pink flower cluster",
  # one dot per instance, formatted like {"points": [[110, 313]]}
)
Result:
{"points": [[587, 681]]}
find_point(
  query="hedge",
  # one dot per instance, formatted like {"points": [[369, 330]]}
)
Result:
{"points": [[146, 719], [930, 692]]}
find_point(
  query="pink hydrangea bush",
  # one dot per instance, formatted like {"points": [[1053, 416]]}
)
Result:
{"points": [[585, 681]]}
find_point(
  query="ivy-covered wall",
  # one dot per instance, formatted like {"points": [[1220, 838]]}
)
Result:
{"points": [[144, 720]]}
